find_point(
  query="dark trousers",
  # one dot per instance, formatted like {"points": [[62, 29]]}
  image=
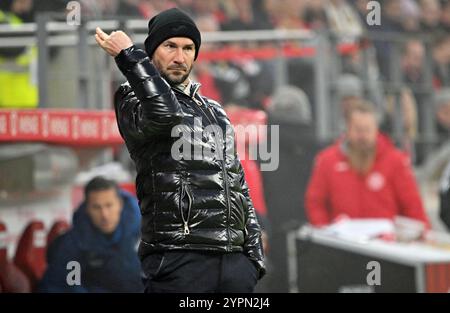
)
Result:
{"points": [[198, 271]]}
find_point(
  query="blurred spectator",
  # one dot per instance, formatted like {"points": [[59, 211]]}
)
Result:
{"points": [[413, 55], [21, 9], [342, 18], [272, 9], [107, 8], [244, 82], [291, 105], [241, 81], [413, 72], [441, 61], [217, 77], [103, 241], [314, 15], [365, 161], [430, 15], [204, 70], [442, 113], [231, 81], [444, 197], [411, 16], [407, 120], [349, 92], [130, 8], [18, 76], [214, 7], [445, 16], [361, 9], [52, 6], [397, 15], [246, 15], [362, 62], [98, 9], [259, 74], [286, 14], [391, 17]]}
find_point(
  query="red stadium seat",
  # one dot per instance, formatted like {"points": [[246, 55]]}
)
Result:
{"points": [[11, 278], [58, 228], [30, 254]]}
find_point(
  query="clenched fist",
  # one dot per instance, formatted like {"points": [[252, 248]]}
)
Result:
{"points": [[114, 42]]}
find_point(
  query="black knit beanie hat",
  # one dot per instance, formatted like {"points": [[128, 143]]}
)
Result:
{"points": [[168, 24]]}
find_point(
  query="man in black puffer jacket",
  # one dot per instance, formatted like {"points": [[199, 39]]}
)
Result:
{"points": [[444, 197], [199, 228]]}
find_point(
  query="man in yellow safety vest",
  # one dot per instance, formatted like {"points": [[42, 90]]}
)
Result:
{"points": [[18, 83]]}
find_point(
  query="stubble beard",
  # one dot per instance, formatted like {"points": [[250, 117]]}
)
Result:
{"points": [[361, 158], [171, 79], [176, 79]]}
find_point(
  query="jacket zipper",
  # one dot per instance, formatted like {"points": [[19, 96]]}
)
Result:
{"points": [[225, 178], [227, 192], [185, 192], [224, 171]]}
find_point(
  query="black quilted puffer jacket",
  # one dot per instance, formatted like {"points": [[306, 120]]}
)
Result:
{"points": [[444, 197], [194, 203]]}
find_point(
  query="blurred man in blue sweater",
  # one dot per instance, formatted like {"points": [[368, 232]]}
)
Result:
{"points": [[102, 240]]}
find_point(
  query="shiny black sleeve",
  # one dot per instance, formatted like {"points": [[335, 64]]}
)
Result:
{"points": [[253, 243], [444, 197]]}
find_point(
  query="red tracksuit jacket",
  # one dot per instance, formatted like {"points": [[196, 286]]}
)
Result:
{"points": [[387, 190]]}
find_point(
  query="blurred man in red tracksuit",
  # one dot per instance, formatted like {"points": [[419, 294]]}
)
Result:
{"points": [[363, 175]]}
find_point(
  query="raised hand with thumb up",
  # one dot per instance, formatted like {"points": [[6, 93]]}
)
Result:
{"points": [[114, 42]]}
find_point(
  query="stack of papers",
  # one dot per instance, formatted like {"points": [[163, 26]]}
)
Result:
{"points": [[360, 229]]}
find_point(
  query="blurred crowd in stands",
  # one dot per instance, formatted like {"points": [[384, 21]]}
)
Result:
{"points": [[403, 70]]}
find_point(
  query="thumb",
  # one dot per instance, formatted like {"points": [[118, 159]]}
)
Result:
{"points": [[101, 33]]}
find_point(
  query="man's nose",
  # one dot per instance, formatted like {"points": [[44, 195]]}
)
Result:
{"points": [[179, 56], [104, 213]]}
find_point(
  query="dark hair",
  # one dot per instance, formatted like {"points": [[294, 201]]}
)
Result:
{"points": [[100, 183]]}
